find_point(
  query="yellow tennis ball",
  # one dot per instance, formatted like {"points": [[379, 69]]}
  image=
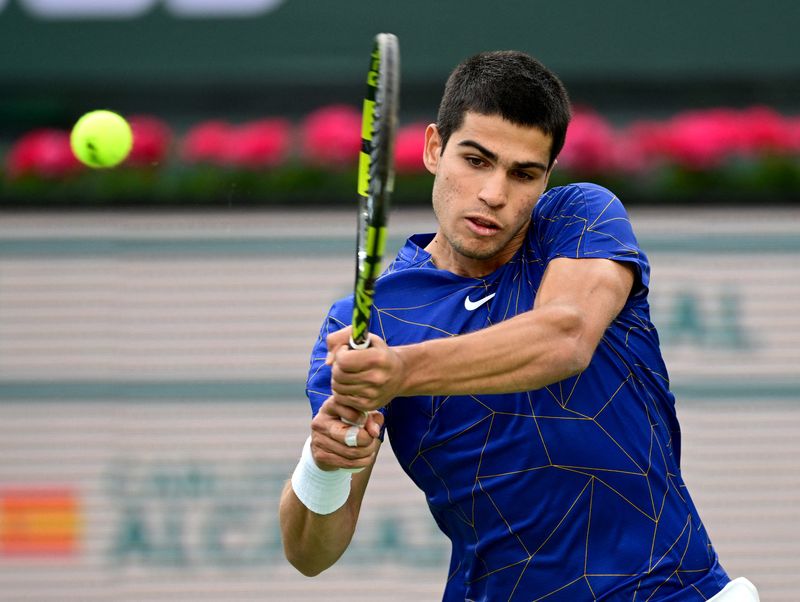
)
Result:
{"points": [[101, 139]]}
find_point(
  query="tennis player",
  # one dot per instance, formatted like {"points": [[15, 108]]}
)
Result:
{"points": [[515, 368]]}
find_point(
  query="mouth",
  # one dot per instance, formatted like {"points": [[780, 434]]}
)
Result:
{"points": [[482, 226]]}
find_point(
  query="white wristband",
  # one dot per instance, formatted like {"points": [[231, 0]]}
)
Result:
{"points": [[321, 491]]}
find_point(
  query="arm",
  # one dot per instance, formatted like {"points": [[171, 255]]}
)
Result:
{"points": [[576, 302], [313, 542]]}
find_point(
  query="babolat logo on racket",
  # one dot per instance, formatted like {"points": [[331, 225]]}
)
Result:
{"points": [[361, 316], [375, 177], [368, 123], [374, 246], [372, 74]]}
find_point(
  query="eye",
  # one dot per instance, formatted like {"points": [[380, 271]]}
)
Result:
{"points": [[524, 176], [475, 161]]}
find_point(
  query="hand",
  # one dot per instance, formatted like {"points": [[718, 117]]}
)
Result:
{"points": [[363, 379], [328, 436]]}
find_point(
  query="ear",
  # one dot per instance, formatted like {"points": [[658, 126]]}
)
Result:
{"points": [[433, 148]]}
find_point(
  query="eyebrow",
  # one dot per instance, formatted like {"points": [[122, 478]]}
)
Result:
{"points": [[493, 156]]}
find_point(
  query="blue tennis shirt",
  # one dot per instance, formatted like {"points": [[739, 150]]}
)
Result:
{"points": [[567, 493]]}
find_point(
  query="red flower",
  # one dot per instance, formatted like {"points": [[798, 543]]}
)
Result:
{"points": [[640, 145], [589, 147], [409, 146], [793, 127], [332, 136], [764, 131], [151, 140], [703, 139], [44, 152], [263, 143], [206, 142], [254, 145]]}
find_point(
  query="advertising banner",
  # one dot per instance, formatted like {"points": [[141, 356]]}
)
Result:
{"points": [[151, 401]]}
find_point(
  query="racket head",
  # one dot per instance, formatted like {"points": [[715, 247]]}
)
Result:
{"points": [[375, 177]]}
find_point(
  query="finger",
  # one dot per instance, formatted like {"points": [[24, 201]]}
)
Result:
{"points": [[333, 452], [354, 402], [330, 358], [343, 412], [333, 436], [355, 361], [374, 423], [354, 384], [360, 422], [355, 436], [335, 340], [327, 457], [376, 342]]}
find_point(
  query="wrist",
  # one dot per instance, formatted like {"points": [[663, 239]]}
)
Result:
{"points": [[321, 491], [414, 370]]}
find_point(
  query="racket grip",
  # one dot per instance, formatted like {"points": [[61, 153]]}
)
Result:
{"points": [[364, 345], [354, 345]]}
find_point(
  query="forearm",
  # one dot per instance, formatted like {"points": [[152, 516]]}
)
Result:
{"points": [[526, 352], [314, 542], [318, 519]]}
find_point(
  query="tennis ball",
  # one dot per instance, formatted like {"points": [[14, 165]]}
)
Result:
{"points": [[101, 139]]}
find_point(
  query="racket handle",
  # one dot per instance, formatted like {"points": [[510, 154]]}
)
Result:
{"points": [[354, 345], [364, 345]]}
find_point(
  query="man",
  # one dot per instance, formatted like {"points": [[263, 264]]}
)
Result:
{"points": [[518, 374]]}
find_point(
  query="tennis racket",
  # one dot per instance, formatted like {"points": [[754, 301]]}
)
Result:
{"points": [[375, 182], [375, 177]]}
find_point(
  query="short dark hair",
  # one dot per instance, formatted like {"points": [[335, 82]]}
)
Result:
{"points": [[511, 84]]}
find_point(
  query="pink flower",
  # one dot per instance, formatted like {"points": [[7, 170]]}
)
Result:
{"points": [[206, 142], [703, 139], [409, 146], [331, 136], [264, 143], [641, 145], [43, 152], [151, 140], [764, 131], [793, 129], [589, 147]]}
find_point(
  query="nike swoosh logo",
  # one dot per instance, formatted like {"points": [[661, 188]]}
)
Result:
{"points": [[471, 305]]}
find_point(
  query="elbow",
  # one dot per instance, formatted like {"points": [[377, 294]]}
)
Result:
{"points": [[580, 356], [303, 566], [302, 558], [570, 359], [296, 549], [574, 352]]}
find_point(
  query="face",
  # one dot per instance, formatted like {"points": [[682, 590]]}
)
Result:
{"points": [[488, 179]]}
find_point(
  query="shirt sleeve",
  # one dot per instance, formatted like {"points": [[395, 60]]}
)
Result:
{"points": [[588, 221], [318, 383]]}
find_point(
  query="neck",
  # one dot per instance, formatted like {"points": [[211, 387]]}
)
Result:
{"points": [[445, 257]]}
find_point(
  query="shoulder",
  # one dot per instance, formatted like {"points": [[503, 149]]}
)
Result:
{"points": [[582, 198], [412, 254]]}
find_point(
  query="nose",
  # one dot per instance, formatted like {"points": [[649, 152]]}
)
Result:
{"points": [[494, 191]]}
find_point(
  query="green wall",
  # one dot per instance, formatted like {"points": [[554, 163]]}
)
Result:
{"points": [[326, 40], [614, 52]]}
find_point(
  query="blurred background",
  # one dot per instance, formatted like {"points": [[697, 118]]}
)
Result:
{"points": [[156, 319]]}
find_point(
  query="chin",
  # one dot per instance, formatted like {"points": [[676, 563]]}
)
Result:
{"points": [[479, 254]]}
